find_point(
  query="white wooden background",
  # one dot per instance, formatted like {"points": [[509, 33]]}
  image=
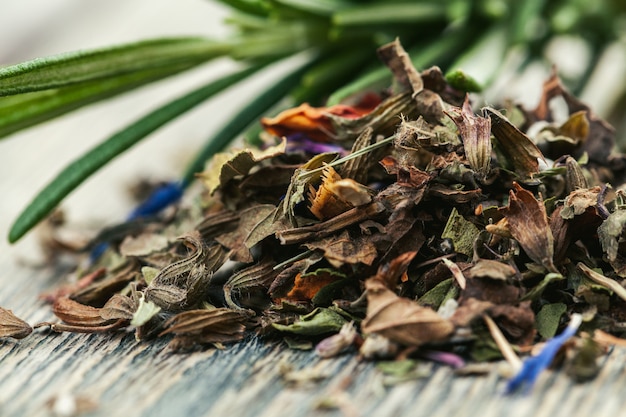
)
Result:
{"points": [[121, 377]]}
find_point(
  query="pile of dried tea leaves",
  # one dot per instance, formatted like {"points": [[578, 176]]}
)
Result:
{"points": [[402, 224]]}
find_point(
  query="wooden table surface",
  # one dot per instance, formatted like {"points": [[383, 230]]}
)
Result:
{"points": [[121, 377]]}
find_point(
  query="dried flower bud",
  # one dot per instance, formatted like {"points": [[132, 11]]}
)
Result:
{"points": [[476, 134], [12, 326], [337, 343]]}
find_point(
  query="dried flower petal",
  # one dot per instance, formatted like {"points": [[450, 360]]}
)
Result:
{"points": [[476, 134], [528, 223], [533, 366]]}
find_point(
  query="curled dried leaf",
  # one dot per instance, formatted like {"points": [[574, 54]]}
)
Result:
{"points": [[519, 150], [528, 223], [400, 319]]}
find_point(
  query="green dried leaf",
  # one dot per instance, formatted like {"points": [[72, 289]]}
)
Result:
{"points": [[548, 318], [319, 321], [149, 273], [145, 311], [462, 233], [228, 165], [610, 231], [439, 294]]}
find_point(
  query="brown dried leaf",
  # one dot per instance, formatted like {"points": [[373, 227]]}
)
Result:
{"points": [[578, 201], [328, 227], [476, 134], [226, 166], [255, 277], [222, 320], [488, 268], [200, 327], [400, 319], [77, 314], [528, 223], [395, 57], [601, 136], [67, 289], [119, 307], [518, 148], [101, 289], [143, 244], [343, 249], [236, 240], [13, 326]]}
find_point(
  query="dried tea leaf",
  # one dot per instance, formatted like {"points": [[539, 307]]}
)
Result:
{"points": [[219, 320], [549, 318], [358, 168], [436, 296], [236, 240], [610, 232], [13, 326], [337, 343], [149, 273], [306, 286], [302, 179], [143, 244], [255, 277], [319, 321], [343, 249], [400, 319], [101, 289], [600, 140], [528, 223], [487, 268], [146, 310], [387, 115], [65, 290], [228, 165], [476, 134], [519, 150], [328, 227], [119, 307], [201, 327], [578, 201], [395, 57], [462, 233], [606, 282], [77, 314]]}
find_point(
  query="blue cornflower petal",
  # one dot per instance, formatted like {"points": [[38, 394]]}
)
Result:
{"points": [[533, 366], [161, 197]]}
